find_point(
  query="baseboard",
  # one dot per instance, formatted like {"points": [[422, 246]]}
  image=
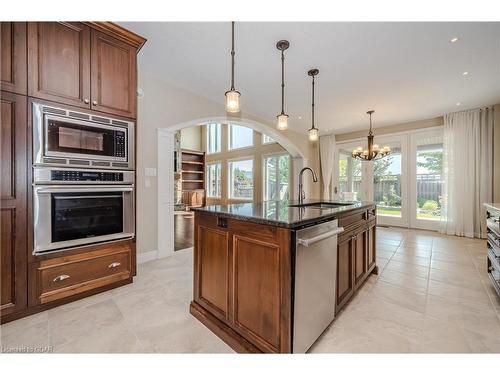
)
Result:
{"points": [[147, 256]]}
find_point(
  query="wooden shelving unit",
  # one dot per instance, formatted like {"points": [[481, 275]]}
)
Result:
{"points": [[193, 178]]}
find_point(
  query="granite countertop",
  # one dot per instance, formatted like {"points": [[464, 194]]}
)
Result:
{"points": [[278, 213], [493, 206]]}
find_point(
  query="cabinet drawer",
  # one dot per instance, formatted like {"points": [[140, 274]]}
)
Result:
{"points": [[353, 220], [68, 276]]}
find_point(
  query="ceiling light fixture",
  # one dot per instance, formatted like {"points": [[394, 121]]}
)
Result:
{"points": [[232, 96], [374, 151], [453, 40], [465, 73], [458, 103], [313, 132], [282, 45]]}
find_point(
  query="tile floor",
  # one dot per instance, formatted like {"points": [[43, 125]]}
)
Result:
{"points": [[432, 295]]}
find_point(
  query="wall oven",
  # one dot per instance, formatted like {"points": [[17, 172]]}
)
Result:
{"points": [[66, 137], [81, 207]]}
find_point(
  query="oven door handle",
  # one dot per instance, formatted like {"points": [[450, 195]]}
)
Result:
{"points": [[65, 189]]}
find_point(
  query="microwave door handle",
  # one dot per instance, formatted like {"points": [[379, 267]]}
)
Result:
{"points": [[49, 190]]}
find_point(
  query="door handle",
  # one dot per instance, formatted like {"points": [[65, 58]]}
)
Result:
{"points": [[306, 242], [114, 265]]}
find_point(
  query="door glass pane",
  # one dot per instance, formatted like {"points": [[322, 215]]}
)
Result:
{"points": [[276, 177], [270, 178], [350, 186], [429, 180], [284, 177], [82, 215], [387, 183]]}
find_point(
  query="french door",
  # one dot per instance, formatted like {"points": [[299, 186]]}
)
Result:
{"points": [[406, 185]]}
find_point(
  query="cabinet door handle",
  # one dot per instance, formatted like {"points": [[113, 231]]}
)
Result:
{"points": [[86, 101], [60, 278], [114, 265], [94, 102]]}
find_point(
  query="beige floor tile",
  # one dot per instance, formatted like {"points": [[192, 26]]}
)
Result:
{"points": [[464, 259], [405, 281], [402, 297], [440, 336], [413, 251], [412, 259], [408, 268], [33, 336], [458, 294]]}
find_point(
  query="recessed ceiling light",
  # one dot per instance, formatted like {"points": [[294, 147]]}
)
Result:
{"points": [[458, 103], [465, 73], [300, 117], [453, 40]]}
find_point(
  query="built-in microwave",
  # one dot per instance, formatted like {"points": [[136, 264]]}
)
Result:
{"points": [[63, 137]]}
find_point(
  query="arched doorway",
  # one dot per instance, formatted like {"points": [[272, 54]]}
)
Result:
{"points": [[165, 179]]}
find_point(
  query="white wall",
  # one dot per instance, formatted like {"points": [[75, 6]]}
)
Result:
{"points": [[164, 106], [191, 138]]}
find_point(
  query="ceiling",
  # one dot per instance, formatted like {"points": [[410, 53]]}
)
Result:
{"points": [[404, 71]]}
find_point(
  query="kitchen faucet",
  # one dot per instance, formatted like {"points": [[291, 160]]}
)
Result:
{"points": [[302, 194]]}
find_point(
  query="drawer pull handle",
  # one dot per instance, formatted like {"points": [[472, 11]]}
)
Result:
{"points": [[114, 265], [61, 278]]}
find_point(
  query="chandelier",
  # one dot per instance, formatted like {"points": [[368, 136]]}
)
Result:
{"points": [[373, 152]]}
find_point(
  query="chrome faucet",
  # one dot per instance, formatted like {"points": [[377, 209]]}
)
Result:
{"points": [[302, 194]]}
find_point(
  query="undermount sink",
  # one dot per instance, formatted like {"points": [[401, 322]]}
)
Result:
{"points": [[320, 205]]}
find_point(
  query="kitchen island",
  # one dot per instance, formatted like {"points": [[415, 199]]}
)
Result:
{"points": [[269, 277]]}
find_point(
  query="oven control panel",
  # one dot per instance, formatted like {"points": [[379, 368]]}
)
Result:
{"points": [[65, 175]]}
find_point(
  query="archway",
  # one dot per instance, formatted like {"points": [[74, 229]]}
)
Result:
{"points": [[165, 172]]}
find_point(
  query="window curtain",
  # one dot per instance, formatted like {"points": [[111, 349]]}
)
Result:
{"points": [[327, 156], [467, 171]]}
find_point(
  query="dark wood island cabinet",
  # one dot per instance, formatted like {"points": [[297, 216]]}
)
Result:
{"points": [[244, 268]]}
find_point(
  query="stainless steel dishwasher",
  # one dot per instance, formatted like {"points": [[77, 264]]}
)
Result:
{"points": [[315, 282]]}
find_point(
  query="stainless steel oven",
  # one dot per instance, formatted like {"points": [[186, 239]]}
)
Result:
{"points": [[76, 139], [80, 207]]}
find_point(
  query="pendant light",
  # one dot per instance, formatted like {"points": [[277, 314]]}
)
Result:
{"points": [[282, 45], [313, 132], [373, 152], [232, 96]]}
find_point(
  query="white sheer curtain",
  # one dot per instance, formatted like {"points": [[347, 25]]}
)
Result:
{"points": [[467, 171], [327, 156]]}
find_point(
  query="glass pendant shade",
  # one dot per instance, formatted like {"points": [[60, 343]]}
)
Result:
{"points": [[313, 134], [282, 122], [232, 101]]}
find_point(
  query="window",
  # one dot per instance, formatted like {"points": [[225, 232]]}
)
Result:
{"points": [[214, 180], [267, 139], [350, 177], [276, 177], [240, 136], [213, 138], [429, 184], [241, 179]]}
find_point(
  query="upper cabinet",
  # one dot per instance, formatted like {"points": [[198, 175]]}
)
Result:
{"points": [[88, 65], [114, 75], [59, 62], [13, 57]]}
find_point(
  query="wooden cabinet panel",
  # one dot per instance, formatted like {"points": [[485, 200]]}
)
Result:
{"points": [[13, 67], [345, 277], [13, 203], [114, 75], [59, 62], [213, 263], [65, 276], [256, 275], [360, 256], [371, 246]]}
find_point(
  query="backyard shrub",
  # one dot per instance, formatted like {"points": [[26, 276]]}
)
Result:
{"points": [[430, 205], [421, 201]]}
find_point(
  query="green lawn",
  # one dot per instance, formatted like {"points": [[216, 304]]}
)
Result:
{"points": [[396, 211]]}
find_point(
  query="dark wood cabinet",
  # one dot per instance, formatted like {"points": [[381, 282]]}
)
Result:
{"points": [[356, 254], [76, 64], [13, 203], [59, 62], [13, 57], [345, 275], [114, 75], [242, 278], [360, 256]]}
